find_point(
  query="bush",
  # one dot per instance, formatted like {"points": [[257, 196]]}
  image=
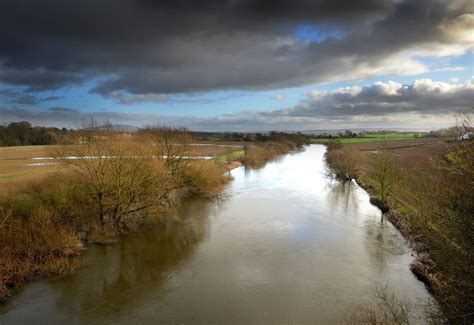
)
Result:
{"points": [[204, 177], [35, 241], [343, 162], [258, 155]]}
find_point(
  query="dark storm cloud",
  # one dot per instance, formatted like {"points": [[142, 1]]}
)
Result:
{"points": [[145, 47], [424, 103]]}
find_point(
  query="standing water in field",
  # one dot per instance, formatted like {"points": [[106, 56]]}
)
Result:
{"points": [[286, 245]]}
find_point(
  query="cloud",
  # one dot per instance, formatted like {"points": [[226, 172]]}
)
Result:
{"points": [[449, 69], [123, 98], [24, 98], [423, 96], [423, 104], [148, 49], [279, 97]]}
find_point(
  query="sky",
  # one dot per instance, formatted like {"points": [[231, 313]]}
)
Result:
{"points": [[238, 65]]}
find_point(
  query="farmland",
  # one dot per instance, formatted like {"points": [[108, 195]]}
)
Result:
{"points": [[371, 138], [24, 163]]}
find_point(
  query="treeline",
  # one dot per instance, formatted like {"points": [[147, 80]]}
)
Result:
{"points": [[273, 136], [24, 134], [338, 135]]}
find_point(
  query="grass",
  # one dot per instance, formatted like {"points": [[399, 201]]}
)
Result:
{"points": [[231, 156], [372, 138], [14, 160]]}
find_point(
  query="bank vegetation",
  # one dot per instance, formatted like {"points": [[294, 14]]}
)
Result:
{"points": [[108, 183], [427, 192]]}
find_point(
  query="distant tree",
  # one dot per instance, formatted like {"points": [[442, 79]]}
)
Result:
{"points": [[21, 130], [348, 134], [23, 133]]}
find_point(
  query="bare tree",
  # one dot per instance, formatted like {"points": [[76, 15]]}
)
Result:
{"points": [[384, 174], [121, 174], [387, 309], [173, 144]]}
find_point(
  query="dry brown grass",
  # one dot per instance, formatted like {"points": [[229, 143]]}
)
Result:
{"points": [[15, 170], [34, 242], [214, 150], [205, 177]]}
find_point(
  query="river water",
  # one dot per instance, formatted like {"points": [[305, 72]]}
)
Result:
{"points": [[285, 245]]}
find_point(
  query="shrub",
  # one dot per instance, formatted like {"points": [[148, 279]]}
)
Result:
{"points": [[204, 177], [34, 241], [258, 155], [343, 162]]}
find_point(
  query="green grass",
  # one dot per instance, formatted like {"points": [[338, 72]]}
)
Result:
{"points": [[373, 138], [229, 157], [11, 176]]}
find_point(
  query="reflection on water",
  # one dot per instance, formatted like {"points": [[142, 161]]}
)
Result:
{"points": [[286, 245], [120, 273]]}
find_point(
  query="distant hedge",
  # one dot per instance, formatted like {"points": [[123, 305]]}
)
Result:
{"points": [[24, 134]]}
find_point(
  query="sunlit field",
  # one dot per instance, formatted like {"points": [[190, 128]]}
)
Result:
{"points": [[24, 163], [373, 138]]}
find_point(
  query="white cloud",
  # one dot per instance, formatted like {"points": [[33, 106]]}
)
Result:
{"points": [[389, 88], [423, 96], [448, 69], [279, 97], [427, 86]]}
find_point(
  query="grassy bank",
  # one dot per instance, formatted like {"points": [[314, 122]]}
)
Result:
{"points": [[101, 188], [427, 192]]}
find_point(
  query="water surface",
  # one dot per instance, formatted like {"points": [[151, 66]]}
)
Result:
{"points": [[286, 245]]}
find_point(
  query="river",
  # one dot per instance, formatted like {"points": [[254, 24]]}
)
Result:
{"points": [[285, 245]]}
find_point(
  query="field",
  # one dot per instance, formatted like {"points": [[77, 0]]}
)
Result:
{"points": [[420, 153], [373, 138], [18, 164]]}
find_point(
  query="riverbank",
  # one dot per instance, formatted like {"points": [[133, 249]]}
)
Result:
{"points": [[281, 246], [430, 205], [46, 222], [422, 264]]}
